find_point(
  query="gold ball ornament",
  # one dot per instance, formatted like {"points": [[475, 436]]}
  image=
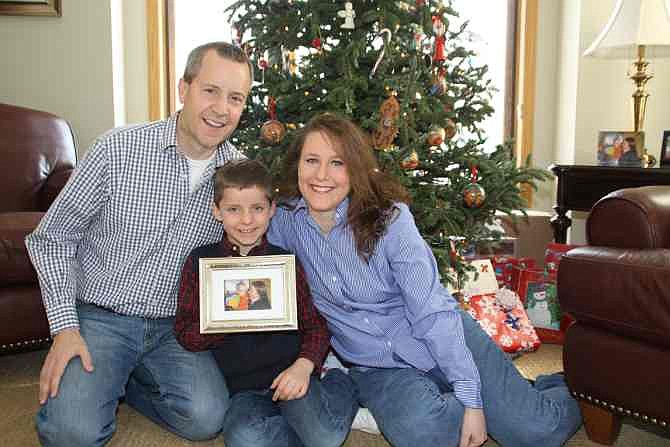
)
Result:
{"points": [[272, 132], [435, 136], [410, 162], [474, 195]]}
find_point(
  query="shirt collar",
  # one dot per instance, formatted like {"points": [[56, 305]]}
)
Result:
{"points": [[231, 249], [340, 212], [170, 140]]}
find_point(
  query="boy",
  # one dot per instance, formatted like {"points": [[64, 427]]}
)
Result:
{"points": [[268, 374]]}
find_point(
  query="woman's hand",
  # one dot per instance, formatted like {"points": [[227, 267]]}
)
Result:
{"points": [[293, 382], [473, 432]]}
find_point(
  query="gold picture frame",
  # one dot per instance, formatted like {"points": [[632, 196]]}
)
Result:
{"points": [[50, 8], [248, 294]]}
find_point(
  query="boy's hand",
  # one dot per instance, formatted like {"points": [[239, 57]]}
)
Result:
{"points": [[293, 382]]}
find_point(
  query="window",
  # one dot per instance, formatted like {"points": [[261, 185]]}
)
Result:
{"points": [[503, 36]]}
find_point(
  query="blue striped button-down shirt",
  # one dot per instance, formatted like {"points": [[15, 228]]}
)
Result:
{"points": [[119, 232], [391, 312]]}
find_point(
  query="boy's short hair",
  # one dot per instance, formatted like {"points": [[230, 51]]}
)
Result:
{"points": [[242, 173]]}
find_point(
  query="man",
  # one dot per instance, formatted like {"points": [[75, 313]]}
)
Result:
{"points": [[108, 255]]}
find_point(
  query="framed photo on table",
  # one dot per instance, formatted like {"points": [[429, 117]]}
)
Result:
{"points": [[620, 148], [665, 149], [248, 294]]}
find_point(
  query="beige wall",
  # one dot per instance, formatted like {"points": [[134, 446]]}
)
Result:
{"points": [[63, 65]]}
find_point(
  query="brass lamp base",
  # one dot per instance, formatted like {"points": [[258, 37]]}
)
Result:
{"points": [[639, 75]]}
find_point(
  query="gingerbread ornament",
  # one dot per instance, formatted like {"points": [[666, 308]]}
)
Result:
{"points": [[383, 136]]}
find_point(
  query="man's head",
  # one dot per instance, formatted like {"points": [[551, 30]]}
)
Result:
{"points": [[213, 90], [243, 201]]}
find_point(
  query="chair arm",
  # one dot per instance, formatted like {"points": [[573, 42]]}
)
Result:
{"points": [[631, 218], [625, 291], [52, 187], [15, 265]]}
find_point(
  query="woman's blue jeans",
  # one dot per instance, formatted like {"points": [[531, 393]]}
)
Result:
{"points": [[139, 359], [414, 408], [321, 418]]}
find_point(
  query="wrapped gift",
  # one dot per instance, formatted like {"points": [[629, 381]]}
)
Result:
{"points": [[502, 316], [553, 255]]}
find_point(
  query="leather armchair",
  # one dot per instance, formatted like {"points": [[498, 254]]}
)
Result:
{"points": [[37, 156], [617, 354]]}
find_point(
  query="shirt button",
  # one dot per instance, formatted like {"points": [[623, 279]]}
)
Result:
{"points": [[366, 320], [388, 343], [334, 279]]}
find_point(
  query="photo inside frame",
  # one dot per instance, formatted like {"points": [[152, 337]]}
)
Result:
{"points": [[665, 150], [620, 148]]}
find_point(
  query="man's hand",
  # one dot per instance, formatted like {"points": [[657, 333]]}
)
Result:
{"points": [[67, 344], [473, 432], [293, 382]]}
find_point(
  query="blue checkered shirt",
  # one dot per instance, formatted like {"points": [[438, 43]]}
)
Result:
{"points": [[118, 233], [390, 312]]}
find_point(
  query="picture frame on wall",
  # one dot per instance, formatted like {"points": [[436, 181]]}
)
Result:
{"points": [[620, 148], [48, 8], [248, 294], [665, 150]]}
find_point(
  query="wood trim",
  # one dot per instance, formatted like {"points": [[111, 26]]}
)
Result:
{"points": [[509, 116], [525, 85], [52, 8], [170, 57], [157, 50]]}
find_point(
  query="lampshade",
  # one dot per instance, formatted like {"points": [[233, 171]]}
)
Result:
{"points": [[634, 23]]}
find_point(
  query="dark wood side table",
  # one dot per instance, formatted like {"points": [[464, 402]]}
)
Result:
{"points": [[579, 187]]}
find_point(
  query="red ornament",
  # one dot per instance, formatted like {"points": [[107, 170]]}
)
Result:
{"points": [[440, 40], [316, 43]]}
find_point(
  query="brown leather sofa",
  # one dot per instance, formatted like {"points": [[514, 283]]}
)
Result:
{"points": [[617, 354], [37, 156]]}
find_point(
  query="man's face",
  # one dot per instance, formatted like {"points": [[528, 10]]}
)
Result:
{"points": [[245, 214], [213, 103]]}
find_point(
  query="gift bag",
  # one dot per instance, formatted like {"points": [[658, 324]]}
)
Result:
{"points": [[502, 316], [538, 291]]}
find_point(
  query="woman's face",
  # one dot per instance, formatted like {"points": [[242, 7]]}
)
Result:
{"points": [[253, 293], [323, 179]]}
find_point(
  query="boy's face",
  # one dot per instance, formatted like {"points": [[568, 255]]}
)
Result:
{"points": [[245, 214]]}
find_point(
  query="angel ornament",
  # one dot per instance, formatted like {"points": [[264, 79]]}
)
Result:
{"points": [[348, 14]]}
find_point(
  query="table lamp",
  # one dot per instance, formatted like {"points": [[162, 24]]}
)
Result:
{"points": [[636, 29]]}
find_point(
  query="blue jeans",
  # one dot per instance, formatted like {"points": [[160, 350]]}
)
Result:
{"points": [[140, 359], [414, 408], [321, 418]]}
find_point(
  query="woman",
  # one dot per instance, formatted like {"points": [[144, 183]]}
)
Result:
{"points": [[426, 371]]}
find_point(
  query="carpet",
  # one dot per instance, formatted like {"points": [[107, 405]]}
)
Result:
{"points": [[19, 376]]}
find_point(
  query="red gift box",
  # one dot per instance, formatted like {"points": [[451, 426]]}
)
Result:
{"points": [[502, 316]]}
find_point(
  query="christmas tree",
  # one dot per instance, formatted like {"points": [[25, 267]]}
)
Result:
{"points": [[402, 72]]}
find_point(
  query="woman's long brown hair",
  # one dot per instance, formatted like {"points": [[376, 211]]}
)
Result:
{"points": [[373, 193]]}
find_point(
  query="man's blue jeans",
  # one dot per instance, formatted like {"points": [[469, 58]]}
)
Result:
{"points": [[321, 418], [140, 359], [415, 408]]}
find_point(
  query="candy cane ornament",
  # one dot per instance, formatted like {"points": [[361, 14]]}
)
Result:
{"points": [[381, 55]]}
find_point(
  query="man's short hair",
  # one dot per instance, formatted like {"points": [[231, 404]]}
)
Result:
{"points": [[242, 173], [223, 49]]}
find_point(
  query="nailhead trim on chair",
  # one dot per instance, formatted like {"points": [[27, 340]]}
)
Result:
{"points": [[24, 344], [621, 410]]}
